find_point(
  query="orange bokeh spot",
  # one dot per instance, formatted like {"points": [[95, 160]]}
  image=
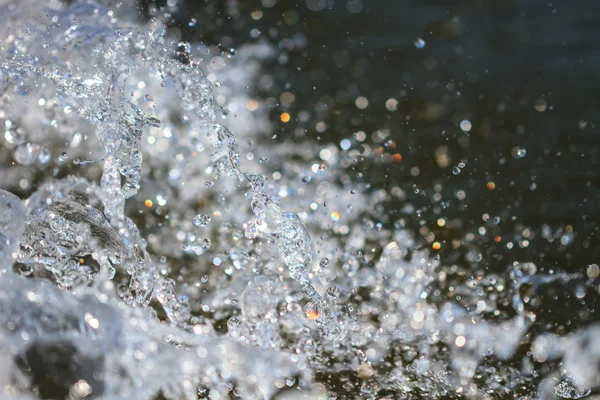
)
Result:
{"points": [[397, 157], [285, 117], [490, 185], [497, 239]]}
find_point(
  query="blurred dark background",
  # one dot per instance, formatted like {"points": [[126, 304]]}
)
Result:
{"points": [[520, 77]]}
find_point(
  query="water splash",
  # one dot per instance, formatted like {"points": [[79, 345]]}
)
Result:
{"points": [[305, 286]]}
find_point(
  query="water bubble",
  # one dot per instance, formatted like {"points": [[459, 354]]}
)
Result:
{"points": [[419, 43], [311, 311], [580, 291], [201, 220], [27, 153], [45, 155], [540, 105], [365, 371], [25, 269], [593, 271], [345, 144], [205, 243], [518, 152], [456, 170], [465, 125]]}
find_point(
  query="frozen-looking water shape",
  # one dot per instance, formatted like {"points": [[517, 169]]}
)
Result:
{"points": [[304, 289]]}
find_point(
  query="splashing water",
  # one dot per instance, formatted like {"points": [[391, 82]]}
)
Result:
{"points": [[161, 266]]}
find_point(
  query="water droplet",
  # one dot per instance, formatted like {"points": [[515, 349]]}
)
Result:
{"points": [[311, 311], [27, 153], [465, 125], [45, 155], [201, 220], [518, 152], [205, 243], [419, 43], [25, 269]]}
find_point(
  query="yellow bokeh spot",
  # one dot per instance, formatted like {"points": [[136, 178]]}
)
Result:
{"points": [[441, 222], [491, 185], [436, 245], [148, 203], [335, 216], [285, 117]]}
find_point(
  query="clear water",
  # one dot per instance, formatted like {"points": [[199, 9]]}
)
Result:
{"points": [[158, 255]]}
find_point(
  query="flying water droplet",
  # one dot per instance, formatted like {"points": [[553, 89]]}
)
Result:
{"points": [[27, 153], [334, 292], [205, 243], [419, 43], [201, 220], [311, 311]]}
